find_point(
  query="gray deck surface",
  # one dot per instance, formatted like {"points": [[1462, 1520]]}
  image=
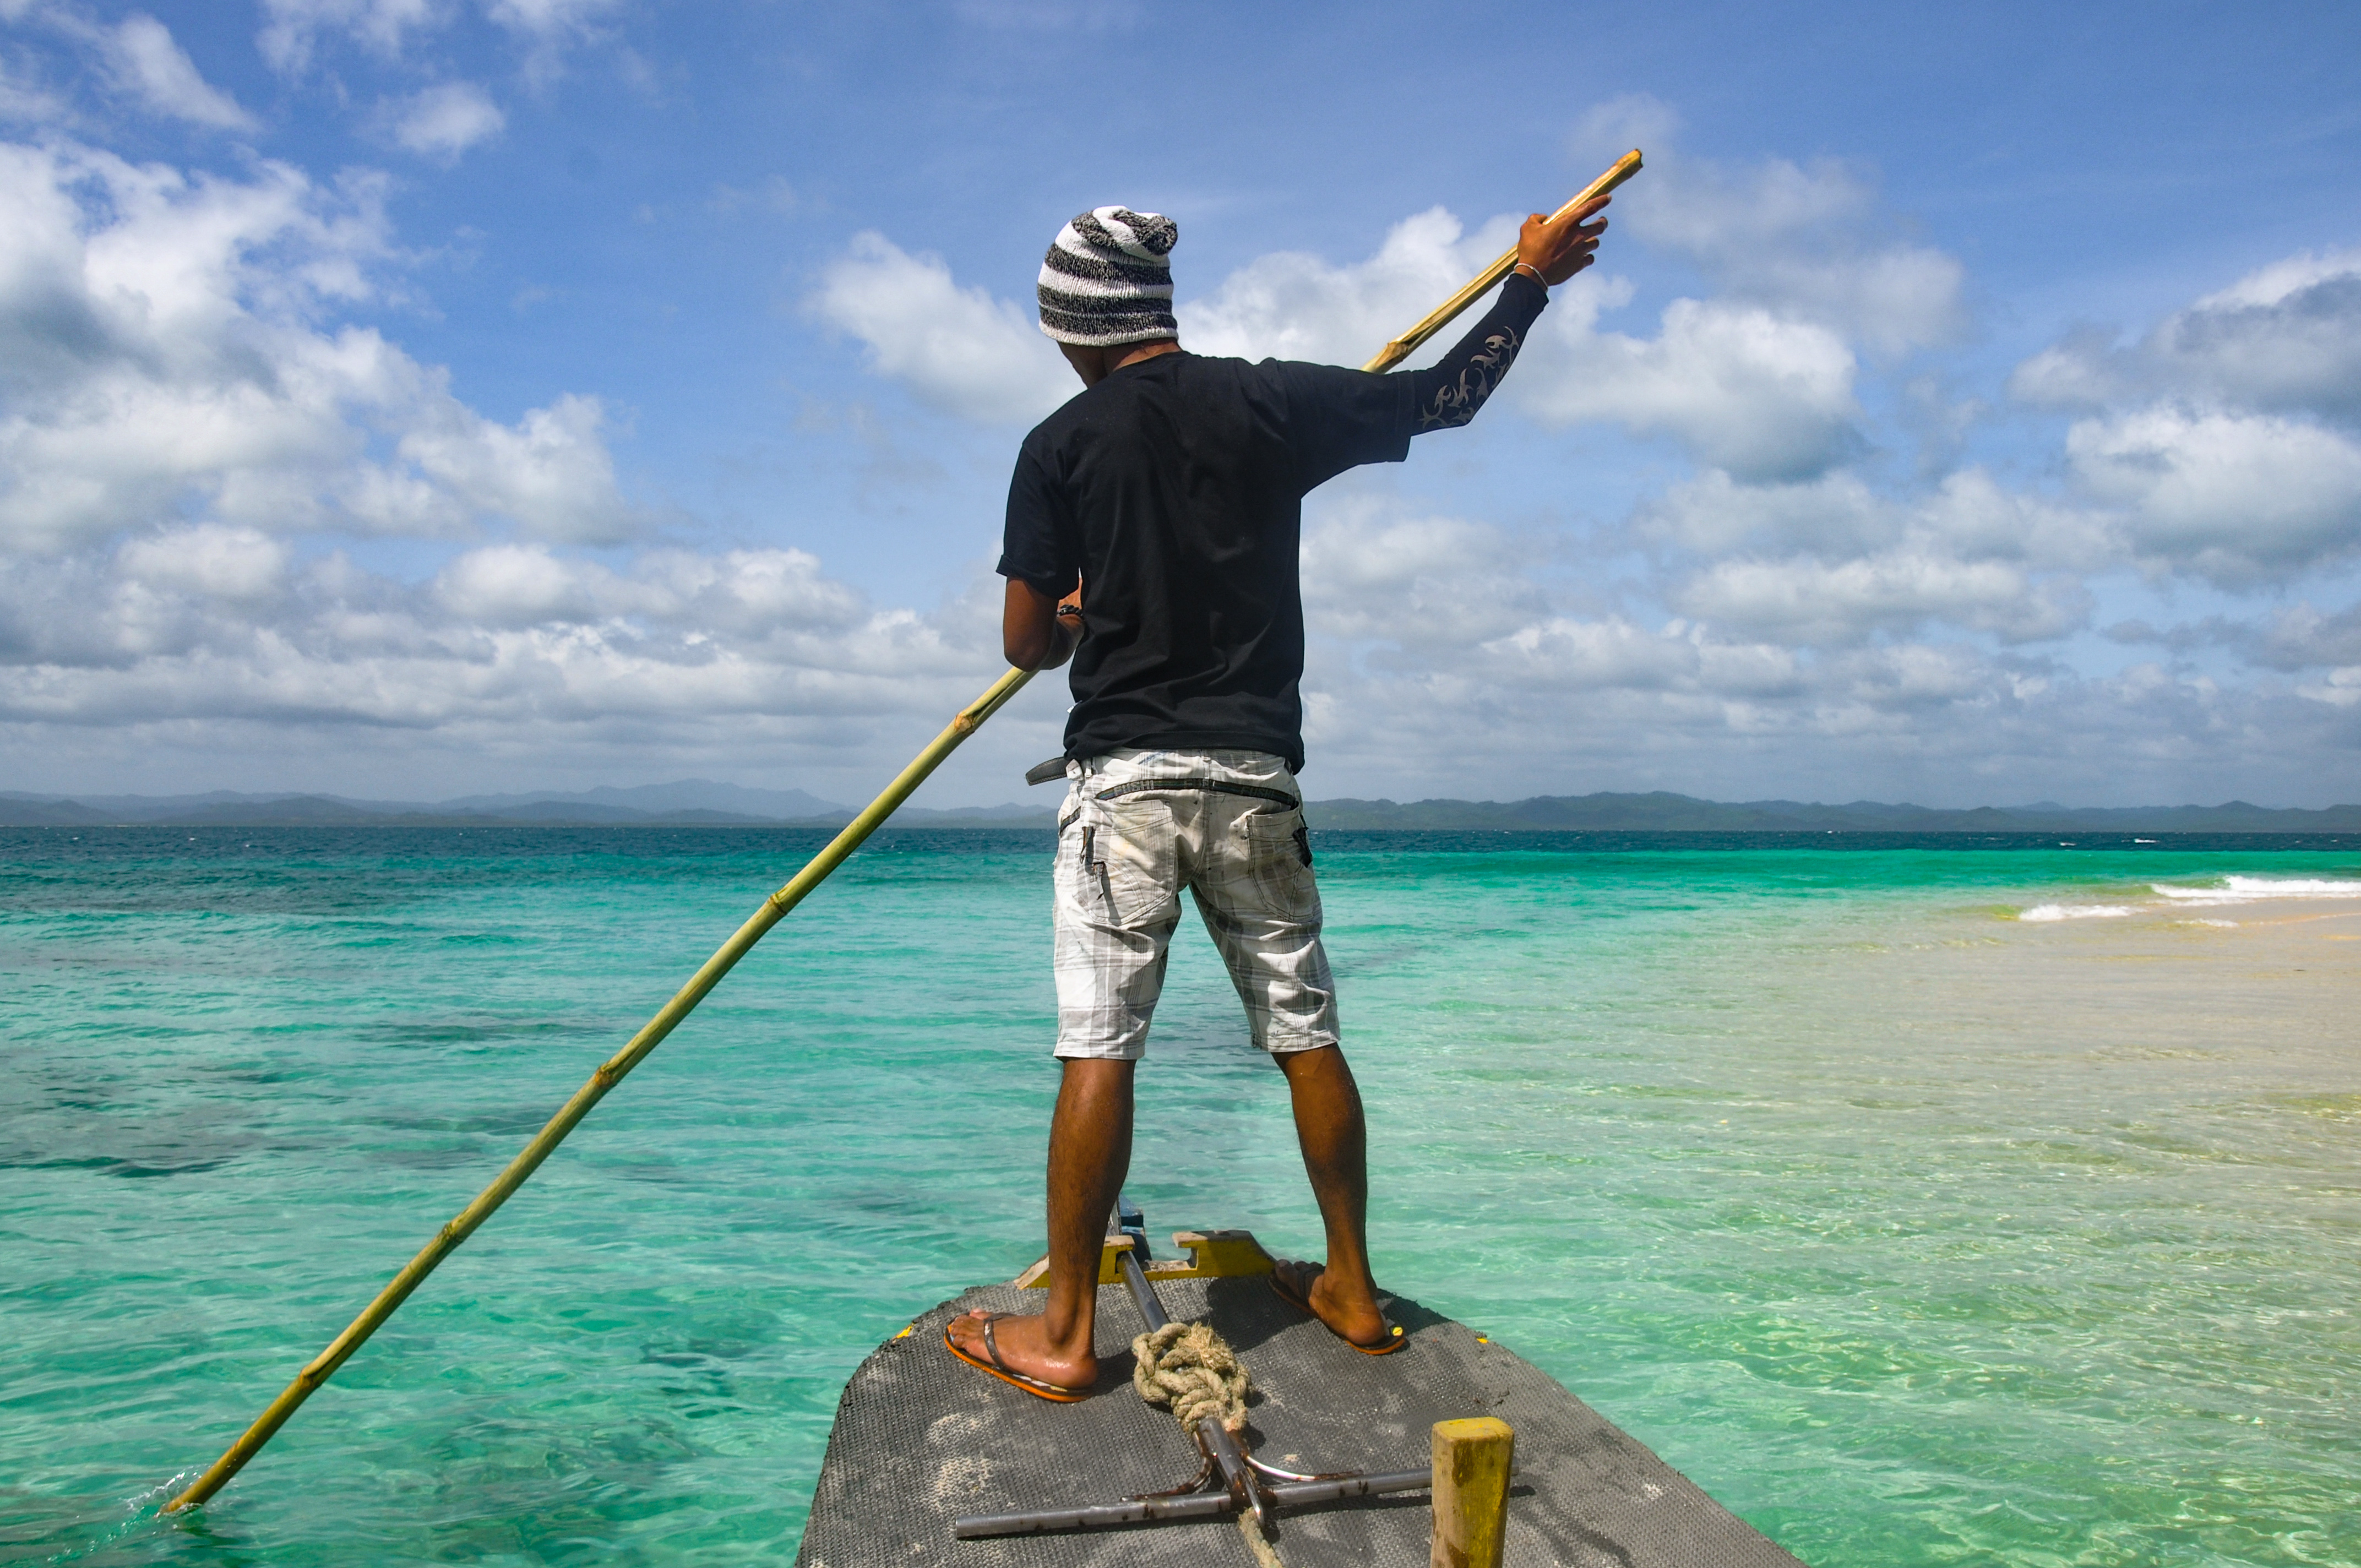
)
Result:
{"points": [[921, 1439]]}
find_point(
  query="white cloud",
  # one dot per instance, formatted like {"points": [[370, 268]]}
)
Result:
{"points": [[1574, 702], [1969, 516], [2236, 499], [442, 122], [546, 27], [1810, 602], [1061, 16], [24, 99], [1292, 305], [744, 593], [1801, 242], [2079, 371], [146, 63], [167, 347], [1812, 243], [234, 564], [179, 409], [1712, 514], [1411, 581], [508, 647], [1574, 653], [774, 195], [2285, 338], [292, 28], [551, 18], [1746, 390], [195, 412], [2341, 688], [550, 473], [958, 350], [2301, 636], [510, 584]]}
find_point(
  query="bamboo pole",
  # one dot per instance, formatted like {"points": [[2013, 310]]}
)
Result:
{"points": [[1443, 315], [610, 1073]]}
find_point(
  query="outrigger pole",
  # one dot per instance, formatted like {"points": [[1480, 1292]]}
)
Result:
{"points": [[774, 908]]}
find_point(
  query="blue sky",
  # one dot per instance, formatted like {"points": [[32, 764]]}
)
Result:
{"points": [[418, 397]]}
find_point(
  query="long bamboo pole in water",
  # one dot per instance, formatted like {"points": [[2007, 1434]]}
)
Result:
{"points": [[774, 908], [610, 1073]]}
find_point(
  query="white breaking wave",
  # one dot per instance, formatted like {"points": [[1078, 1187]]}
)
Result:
{"points": [[2077, 912], [2248, 889], [2229, 891]]}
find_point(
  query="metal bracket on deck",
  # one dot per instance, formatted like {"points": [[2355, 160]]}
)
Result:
{"points": [[1231, 1478], [1212, 1254]]}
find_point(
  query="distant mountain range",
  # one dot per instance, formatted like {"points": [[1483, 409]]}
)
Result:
{"points": [[688, 801], [1661, 812], [702, 802]]}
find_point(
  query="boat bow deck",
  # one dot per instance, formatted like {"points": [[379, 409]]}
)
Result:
{"points": [[921, 1439]]}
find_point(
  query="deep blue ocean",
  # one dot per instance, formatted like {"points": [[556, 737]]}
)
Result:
{"points": [[1927, 1200]]}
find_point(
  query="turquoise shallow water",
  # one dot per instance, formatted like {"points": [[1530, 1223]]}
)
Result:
{"points": [[1915, 1232]]}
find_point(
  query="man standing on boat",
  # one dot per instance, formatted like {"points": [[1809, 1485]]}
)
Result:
{"points": [[1171, 489]]}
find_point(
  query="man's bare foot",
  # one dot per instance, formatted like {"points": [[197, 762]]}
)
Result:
{"points": [[1349, 1309], [1026, 1347]]}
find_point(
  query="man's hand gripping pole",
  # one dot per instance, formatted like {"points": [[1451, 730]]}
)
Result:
{"points": [[1402, 347]]}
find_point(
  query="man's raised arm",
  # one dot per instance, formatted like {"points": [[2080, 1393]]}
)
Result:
{"points": [[1549, 251]]}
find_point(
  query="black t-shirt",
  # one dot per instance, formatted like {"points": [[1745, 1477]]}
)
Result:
{"points": [[1174, 489]]}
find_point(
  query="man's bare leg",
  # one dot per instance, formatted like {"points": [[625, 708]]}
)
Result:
{"points": [[1335, 1142], [1089, 1150]]}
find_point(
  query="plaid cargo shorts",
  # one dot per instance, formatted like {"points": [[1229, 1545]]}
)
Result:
{"points": [[1137, 826]]}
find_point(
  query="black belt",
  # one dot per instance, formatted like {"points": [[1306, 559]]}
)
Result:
{"points": [[1055, 768], [1218, 786]]}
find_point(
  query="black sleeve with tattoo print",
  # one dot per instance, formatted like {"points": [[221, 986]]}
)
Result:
{"points": [[1446, 395]]}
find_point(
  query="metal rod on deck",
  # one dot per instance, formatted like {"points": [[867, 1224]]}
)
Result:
{"points": [[1195, 1506], [1217, 1442], [1101, 1516], [1296, 1493]]}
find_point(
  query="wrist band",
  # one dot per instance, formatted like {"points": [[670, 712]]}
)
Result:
{"points": [[1533, 272]]}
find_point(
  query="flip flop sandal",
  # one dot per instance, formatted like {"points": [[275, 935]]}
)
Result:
{"points": [[1040, 1389], [1284, 1288]]}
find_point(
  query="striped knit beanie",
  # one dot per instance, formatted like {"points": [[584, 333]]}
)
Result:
{"points": [[1106, 280]]}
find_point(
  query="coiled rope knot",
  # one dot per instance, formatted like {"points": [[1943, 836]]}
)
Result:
{"points": [[1192, 1369]]}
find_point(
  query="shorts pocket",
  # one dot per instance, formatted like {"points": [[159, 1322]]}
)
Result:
{"points": [[1279, 858], [1123, 859]]}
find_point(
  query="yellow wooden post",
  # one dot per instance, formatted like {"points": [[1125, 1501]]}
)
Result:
{"points": [[1472, 1459]]}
